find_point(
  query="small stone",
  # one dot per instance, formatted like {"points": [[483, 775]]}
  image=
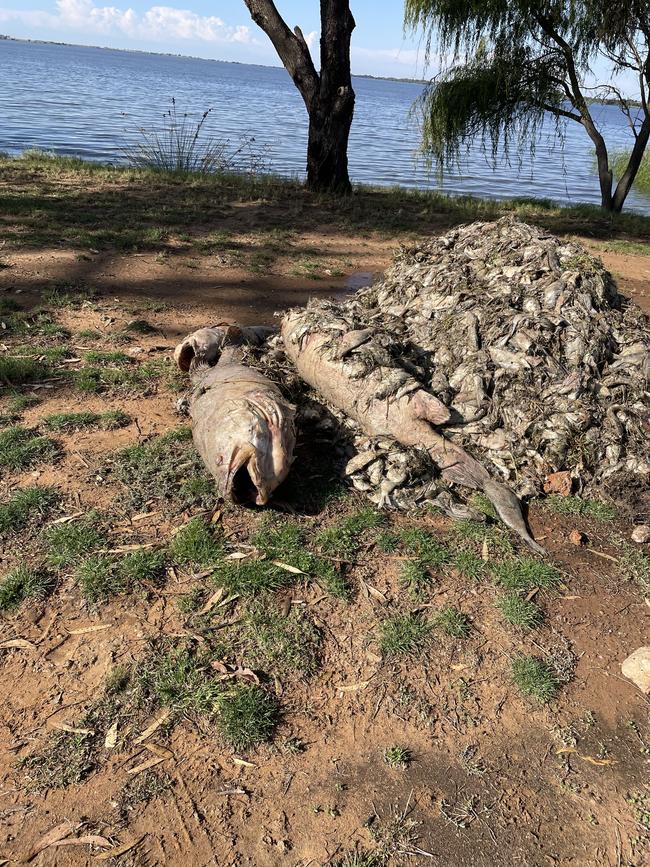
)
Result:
{"points": [[577, 538], [637, 668], [641, 534], [558, 483]]}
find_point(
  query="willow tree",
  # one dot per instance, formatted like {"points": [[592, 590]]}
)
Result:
{"points": [[515, 61], [328, 94]]}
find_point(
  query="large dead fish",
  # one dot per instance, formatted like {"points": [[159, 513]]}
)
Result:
{"points": [[204, 346], [242, 426], [406, 415]]}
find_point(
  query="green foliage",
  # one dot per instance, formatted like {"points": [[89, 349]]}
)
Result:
{"points": [[101, 576], [429, 550], [398, 756], [343, 539], [68, 543], [25, 505], [576, 506], [524, 573], [285, 542], [470, 565], [534, 678], [250, 577], [416, 577], [195, 545], [24, 583], [246, 716], [452, 622], [403, 634], [181, 679], [167, 469], [519, 612], [277, 643], [512, 61], [360, 859], [635, 565], [17, 371], [21, 448], [620, 160], [70, 421]]}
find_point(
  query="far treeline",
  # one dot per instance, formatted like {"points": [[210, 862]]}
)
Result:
{"points": [[511, 62]]}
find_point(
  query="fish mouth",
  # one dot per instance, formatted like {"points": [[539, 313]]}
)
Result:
{"points": [[243, 482]]}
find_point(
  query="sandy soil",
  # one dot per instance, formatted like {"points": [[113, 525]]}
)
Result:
{"points": [[496, 778]]}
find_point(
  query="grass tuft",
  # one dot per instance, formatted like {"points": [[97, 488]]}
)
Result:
{"points": [[21, 448], [24, 506], [524, 573], [534, 678], [452, 622], [403, 634], [246, 716], [195, 545], [398, 756], [575, 506], [469, 565], [167, 469], [277, 643], [519, 612], [68, 543], [17, 371], [429, 550], [22, 584], [416, 577], [343, 540], [71, 421]]}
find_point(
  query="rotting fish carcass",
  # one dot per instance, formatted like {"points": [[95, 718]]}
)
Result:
{"points": [[242, 427]]}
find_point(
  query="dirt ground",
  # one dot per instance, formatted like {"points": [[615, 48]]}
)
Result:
{"points": [[490, 776]]}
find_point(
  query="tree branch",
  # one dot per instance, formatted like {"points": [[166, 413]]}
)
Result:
{"points": [[291, 48]]}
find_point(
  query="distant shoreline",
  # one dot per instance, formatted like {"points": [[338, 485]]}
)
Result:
{"points": [[5, 38]]}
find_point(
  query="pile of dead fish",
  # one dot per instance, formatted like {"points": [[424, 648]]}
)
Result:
{"points": [[542, 363], [485, 359]]}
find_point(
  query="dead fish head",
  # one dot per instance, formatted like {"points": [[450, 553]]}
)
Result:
{"points": [[255, 447]]}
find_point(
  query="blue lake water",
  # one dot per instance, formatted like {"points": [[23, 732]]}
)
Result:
{"points": [[90, 102]]}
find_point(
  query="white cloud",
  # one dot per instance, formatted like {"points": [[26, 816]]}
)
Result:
{"points": [[157, 24]]}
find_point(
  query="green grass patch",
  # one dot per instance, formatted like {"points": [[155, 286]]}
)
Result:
{"points": [[285, 542], [469, 565], [20, 402], [398, 756], [21, 448], [22, 584], [452, 622], [619, 161], [26, 505], [525, 573], [246, 716], [343, 539], [140, 326], [635, 566], [71, 421], [534, 678], [519, 612], [277, 643], [69, 543], [416, 577], [167, 468], [403, 634], [428, 549], [196, 545], [577, 507], [102, 575], [251, 577], [18, 371]]}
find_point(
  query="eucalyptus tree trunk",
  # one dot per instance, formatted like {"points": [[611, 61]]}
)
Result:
{"points": [[328, 95]]}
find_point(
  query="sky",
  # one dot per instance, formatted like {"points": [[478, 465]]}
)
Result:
{"points": [[215, 29]]}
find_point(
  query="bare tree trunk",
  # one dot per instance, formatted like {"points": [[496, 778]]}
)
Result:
{"points": [[627, 178], [328, 96]]}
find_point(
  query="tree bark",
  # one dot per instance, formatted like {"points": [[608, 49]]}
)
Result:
{"points": [[328, 96], [634, 163]]}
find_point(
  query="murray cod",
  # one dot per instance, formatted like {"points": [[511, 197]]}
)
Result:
{"points": [[242, 426]]}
